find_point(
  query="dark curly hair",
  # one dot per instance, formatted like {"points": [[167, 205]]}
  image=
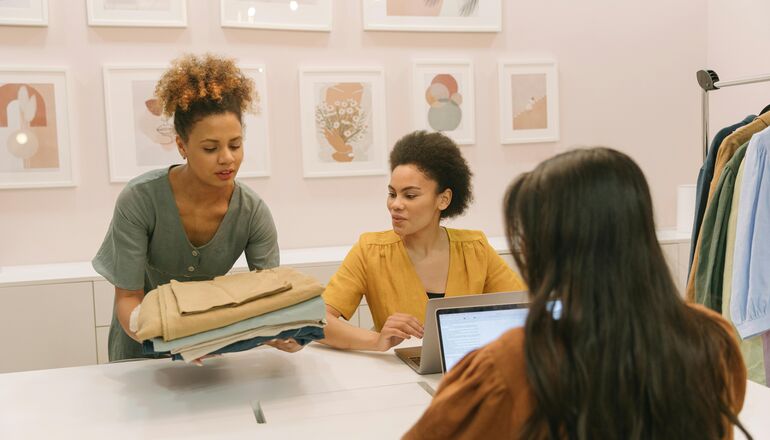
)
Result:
{"points": [[439, 158], [198, 86]]}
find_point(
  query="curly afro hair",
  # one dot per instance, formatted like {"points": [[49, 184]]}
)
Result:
{"points": [[198, 86], [439, 158]]}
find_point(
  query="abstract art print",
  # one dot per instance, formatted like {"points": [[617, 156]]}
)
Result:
{"points": [[343, 122], [143, 13], [24, 12], [305, 15], [140, 139], [433, 15], [529, 101], [443, 98], [35, 147]]}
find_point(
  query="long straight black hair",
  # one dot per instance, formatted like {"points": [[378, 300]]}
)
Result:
{"points": [[627, 358]]}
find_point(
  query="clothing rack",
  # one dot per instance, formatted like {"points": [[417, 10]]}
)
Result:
{"points": [[709, 80]]}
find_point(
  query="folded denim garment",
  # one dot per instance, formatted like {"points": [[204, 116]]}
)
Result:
{"points": [[303, 336], [200, 350], [160, 316], [311, 310]]}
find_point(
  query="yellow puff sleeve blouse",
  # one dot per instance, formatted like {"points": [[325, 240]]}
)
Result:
{"points": [[379, 268]]}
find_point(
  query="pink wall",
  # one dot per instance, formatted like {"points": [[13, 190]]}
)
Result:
{"points": [[626, 80], [737, 48]]}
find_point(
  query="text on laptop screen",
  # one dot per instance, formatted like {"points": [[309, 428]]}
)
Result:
{"points": [[466, 329]]}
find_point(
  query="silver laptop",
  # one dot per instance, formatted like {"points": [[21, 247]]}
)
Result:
{"points": [[464, 329], [426, 359]]}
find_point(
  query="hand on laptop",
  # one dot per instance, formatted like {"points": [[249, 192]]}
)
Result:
{"points": [[398, 327]]}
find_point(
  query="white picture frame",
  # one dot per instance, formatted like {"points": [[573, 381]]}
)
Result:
{"points": [[433, 15], [303, 15], [137, 13], [529, 101], [140, 140], [443, 98], [354, 144], [24, 12], [35, 143]]}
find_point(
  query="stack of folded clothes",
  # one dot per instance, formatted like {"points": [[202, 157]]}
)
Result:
{"points": [[231, 313]]}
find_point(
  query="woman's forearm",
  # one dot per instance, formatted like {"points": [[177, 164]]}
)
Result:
{"points": [[125, 303], [340, 334]]}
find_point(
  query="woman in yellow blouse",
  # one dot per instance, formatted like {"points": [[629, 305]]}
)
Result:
{"points": [[398, 270]]}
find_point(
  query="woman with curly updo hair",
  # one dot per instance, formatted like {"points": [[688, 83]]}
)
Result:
{"points": [[400, 269], [188, 222]]}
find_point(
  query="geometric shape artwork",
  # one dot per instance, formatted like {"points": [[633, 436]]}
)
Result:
{"points": [[141, 13], [140, 139], [343, 122], [529, 101], [433, 15], [35, 149], [24, 12], [305, 15], [443, 98]]}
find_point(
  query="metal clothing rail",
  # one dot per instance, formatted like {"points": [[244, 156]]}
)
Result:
{"points": [[709, 80]]}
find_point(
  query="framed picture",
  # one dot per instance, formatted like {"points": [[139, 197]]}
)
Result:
{"points": [[443, 98], [24, 12], [35, 146], [139, 139], [139, 13], [433, 15], [303, 15], [342, 113], [529, 101]]}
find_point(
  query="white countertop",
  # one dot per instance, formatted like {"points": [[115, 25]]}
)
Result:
{"points": [[82, 271], [164, 399]]}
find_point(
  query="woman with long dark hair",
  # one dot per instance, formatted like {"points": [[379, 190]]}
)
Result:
{"points": [[626, 358]]}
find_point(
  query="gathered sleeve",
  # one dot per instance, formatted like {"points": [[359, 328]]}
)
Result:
{"points": [[500, 276], [472, 402], [262, 250], [122, 257], [348, 285]]}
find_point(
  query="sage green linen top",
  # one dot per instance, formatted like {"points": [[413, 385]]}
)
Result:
{"points": [[146, 244]]}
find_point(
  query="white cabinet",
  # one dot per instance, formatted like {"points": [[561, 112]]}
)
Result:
{"points": [[102, 354], [47, 326], [677, 256], [104, 299]]}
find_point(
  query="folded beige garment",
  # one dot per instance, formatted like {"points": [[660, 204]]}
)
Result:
{"points": [[228, 290], [192, 352], [160, 316]]}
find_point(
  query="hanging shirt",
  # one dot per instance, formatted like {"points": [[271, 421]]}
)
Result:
{"points": [[725, 153], [750, 303], [751, 349], [706, 174], [146, 244], [709, 270]]}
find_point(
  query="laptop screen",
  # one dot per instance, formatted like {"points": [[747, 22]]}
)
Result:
{"points": [[464, 329]]}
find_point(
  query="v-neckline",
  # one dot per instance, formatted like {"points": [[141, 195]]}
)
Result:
{"points": [[180, 224], [414, 270]]}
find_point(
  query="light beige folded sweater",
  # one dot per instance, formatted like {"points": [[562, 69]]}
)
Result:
{"points": [[176, 310]]}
